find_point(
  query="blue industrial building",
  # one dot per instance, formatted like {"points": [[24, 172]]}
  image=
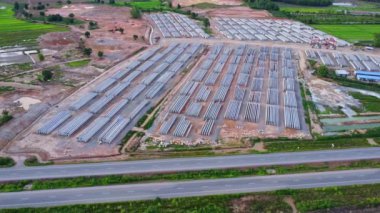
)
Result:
{"points": [[367, 76]]}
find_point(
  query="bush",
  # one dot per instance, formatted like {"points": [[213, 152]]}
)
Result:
{"points": [[87, 51], [100, 54], [33, 161], [55, 18], [41, 57], [87, 34], [6, 162]]}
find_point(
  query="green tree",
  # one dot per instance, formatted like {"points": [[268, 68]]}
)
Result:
{"points": [[47, 75], [87, 34], [377, 40], [135, 37], [206, 22], [87, 51], [42, 13], [323, 71], [68, 2], [16, 6], [71, 15], [100, 54], [41, 57], [112, 1], [135, 13]]}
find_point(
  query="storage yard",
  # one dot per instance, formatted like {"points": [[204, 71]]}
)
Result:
{"points": [[236, 91], [103, 111], [269, 30], [174, 25]]}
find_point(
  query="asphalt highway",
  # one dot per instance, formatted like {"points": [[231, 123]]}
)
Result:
{"points": [[147, 191], [185, 164]]}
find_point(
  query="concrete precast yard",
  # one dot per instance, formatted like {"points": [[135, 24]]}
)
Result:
{"points": [[59, 147], [229, 62]]}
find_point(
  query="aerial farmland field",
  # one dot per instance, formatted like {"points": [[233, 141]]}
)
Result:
{"points": [[14, 31], [352, 33]]}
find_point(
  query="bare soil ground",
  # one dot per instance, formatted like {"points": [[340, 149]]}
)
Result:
{"points": [[218, 2], [115, 45], [48, 95]]}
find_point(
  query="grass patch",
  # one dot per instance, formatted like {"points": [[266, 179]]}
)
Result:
{"points": [[207, 5], [353, 33], [327, 198], [180, 176], [5, 116], [370, 103], [296, 146], [77, 64], [6, 162], [4, 89], [14, 31], [151, 120], [33, 161], [306, 105], [145, 5]]}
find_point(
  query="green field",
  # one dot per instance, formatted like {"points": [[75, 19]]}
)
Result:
{"points": [[370, 103], [351, 33], [143, 4], [14, 31], [361, 6], [76, 64]]}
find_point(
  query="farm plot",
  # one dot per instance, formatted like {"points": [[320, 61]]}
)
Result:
{"points": [[236, 92], [347, 61], [18, 32], [173, 25], [269, 30], [351, 32], [102, 112]]}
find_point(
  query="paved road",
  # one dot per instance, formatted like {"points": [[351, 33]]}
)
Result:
{"points": [[185, 164], [147, 191]]}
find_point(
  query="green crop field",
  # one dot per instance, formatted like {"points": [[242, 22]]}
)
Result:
{"points": [[352, 33], [360, 6], [15, 31], [143, 4]]}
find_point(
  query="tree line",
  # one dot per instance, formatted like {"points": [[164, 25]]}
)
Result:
{"points": [[321, 3]]}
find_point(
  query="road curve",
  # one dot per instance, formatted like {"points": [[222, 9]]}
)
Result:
{"points": [[147, 191], [185, 164]]}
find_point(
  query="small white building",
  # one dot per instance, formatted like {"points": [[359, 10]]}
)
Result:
{"points": [[342, 73]]}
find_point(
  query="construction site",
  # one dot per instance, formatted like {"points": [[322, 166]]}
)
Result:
{"points": [[245, 80]]}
